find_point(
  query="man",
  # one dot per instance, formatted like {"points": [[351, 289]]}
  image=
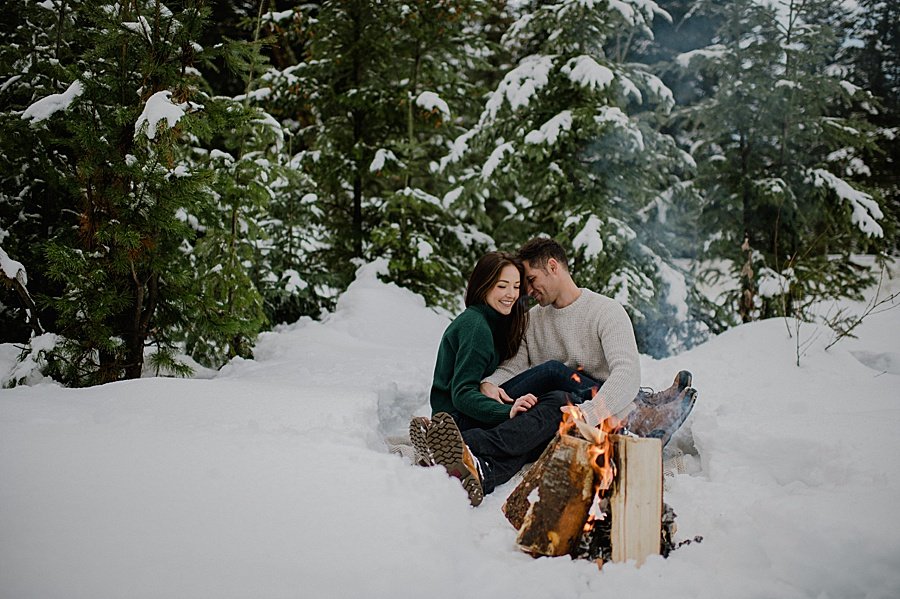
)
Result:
{"points": [[582, 329], [579, 353]]}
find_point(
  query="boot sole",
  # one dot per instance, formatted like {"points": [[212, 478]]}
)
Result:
{"points": [[447, 449], [687, 404], [417, 429]]}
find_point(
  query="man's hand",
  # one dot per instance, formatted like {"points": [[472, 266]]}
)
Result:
{"points": [[522, 404], [494, 392]]}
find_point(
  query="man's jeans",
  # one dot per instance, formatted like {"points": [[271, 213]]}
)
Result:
{"points": [[505, 448], [550, 376]]}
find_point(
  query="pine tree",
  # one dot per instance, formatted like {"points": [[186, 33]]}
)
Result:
{"points": [[371, 104], [770, 141], [345, 76], [872, 55], [428, 244], [109, 120], [30, 208], [291, 270], [573, 150]]}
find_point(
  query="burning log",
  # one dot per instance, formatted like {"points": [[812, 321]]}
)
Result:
{"points": [[559, 503], [619, 477], [517, 504]]}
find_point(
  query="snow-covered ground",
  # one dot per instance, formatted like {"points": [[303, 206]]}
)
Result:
{"points": [[272, 479]]}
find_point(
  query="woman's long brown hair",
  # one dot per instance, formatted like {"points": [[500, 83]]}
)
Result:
{"points": [[483, 278]]}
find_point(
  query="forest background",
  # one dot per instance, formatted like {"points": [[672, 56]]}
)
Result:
{"points": [[176, 178]]}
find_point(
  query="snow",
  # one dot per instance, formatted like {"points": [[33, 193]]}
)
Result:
{"points": [[431, 101], [46, 107], [519, 85], [421, 195], [278, 17], [614, 116], [710, 52], [382, 155], [294, 281], [589, 239], [457, 150], [586, 72], [865, 209], [549, 132], [659, 90], [773, 284], [495, 158], [848, 87], [676, 289], [451, 196], [159, 106], [12, 269], [424, 250], [141, 27], [272, 480]]}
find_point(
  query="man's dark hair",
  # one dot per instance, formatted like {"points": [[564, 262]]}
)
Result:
{"points": [[540, 249]]}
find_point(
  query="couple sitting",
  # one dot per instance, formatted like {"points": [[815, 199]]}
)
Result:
{"points": [[505, 375]]}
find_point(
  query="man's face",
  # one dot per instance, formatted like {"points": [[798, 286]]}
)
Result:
{"points": [[542, 282]]}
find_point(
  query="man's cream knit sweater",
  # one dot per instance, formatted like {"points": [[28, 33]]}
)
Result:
{"points": [[593, 333]]}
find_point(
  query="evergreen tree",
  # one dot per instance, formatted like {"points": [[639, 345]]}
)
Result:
{"points": [[30, 209], [292, 271], [778, 206], [429, 245], [372, 102], [344, 80], [107, 118], [573, 150], [872, 55]]}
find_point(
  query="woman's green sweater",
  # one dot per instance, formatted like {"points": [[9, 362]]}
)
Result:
{"points": [[467, 354]]}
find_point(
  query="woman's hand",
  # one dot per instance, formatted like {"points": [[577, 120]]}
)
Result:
{"points": [[494, 392], [522, 404]]}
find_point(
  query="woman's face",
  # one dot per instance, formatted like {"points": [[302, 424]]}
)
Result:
{"points": [[503, 295]]}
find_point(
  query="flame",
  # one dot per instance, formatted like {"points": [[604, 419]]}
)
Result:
{"points": [[601, 454], [600, 450]]}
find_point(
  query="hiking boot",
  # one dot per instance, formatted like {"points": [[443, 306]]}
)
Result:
{"points": [[418, 428], [661, 420], [675, 392], [450, 451]]}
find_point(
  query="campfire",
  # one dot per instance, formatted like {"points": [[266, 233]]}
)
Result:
{"points": [[593, 494]]}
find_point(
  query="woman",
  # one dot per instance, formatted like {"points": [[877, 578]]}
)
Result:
{"points": [[486, 333]]}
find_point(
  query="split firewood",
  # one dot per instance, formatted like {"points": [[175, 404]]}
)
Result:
{"points": [[550, 506], [636, 503], [559, 503], [517, 504]]}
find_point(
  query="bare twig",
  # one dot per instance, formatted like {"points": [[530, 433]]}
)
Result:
{"points": [[874, 303]]}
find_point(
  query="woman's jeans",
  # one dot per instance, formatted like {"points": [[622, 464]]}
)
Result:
{"points": [[505, 448]]}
